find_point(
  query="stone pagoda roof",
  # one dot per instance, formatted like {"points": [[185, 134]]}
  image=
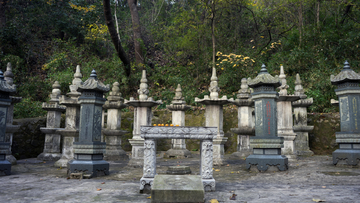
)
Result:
{"points": [[346, 75], [93, 84], [264, 78]]}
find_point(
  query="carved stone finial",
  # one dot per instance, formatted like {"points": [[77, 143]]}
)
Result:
{"points": [[115, 91], [55, 93], [9, 74], [346, 65], [283, 88], [244, 91], [263, 69], [214, 88], [1, 75], [76, 81], [178, 93], [299, 90], [93, 74], [143, 91]]}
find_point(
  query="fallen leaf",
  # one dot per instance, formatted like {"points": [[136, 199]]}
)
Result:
{"points": [[44, 162], [232, 172], [228, 165], [318, 200], [217, 169], [323, 186], [233, 197], [98, 189], [103, 183], [148, 197], [214, 201]]}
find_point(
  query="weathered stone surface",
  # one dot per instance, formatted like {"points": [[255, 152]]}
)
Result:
{"points": [[178, 170], [177, 188]]}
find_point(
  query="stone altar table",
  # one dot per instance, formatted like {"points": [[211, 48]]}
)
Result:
{"points": [[152, 133]]}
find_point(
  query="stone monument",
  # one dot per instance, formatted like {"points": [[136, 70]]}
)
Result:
{"points": [[53, 120], [10, 128], [285, 118], [89, 150], [214, 116], [5, 102], [178, 107], [72, 118], [266, 144], [246, 127], [300, 120], [142, 116], [113, 131], [348, 92]]}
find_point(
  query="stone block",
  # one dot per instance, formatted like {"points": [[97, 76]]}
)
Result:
{"points": [[178, 170], [177, 188]]}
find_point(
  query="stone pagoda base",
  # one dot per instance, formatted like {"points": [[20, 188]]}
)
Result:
{"points": [[264, 162], [346, 157], [89, 166], [11, 159], [5, 165], [137, 158], [218, 154]]}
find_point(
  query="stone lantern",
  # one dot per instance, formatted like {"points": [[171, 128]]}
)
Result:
{"points": [[89, 150], [266, 144], [5, 102], [348, 92], [214, 117]]}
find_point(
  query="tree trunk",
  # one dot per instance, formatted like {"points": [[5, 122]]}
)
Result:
{"points": [[114, 37], [318, 14], [213, 33], [300, 22], [137, 31]]}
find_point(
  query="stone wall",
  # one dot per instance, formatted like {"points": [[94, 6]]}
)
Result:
{"points": [[29, 141]]}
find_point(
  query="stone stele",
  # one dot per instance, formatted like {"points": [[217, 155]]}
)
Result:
{"points": [[177, 188]]}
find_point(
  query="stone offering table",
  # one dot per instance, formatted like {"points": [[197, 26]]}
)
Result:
{"points": [[266, 144], [142, 116], [246, 126], [214, 116], [348, 91], [152, 133]]}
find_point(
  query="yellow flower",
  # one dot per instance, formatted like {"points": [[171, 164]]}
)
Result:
{"points": [[222, 68], [253, 47]]}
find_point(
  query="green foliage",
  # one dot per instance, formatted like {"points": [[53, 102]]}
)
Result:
{"points": [[28, 108]]}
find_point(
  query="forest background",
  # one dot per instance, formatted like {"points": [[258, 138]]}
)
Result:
{"points": [[177, 42]]}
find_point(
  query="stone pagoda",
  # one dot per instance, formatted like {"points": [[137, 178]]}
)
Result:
{"points": [[178, 107], [300, 120], [285, 118], [72, 118], [113, 131], [266, 144], [52, 139], [348, 92], [89, 150], [5, 102], [142, 116], [10, 128], [246, 126], [214, 116]]}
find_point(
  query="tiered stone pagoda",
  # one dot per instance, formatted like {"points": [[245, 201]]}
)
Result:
{"points": [[285, 118], [113, 131], [246, 127], [5, 102], [178, 107], [89, 150], [72, 118], [214, 116], [52, 139], [348, 92], [142, 116], [300, 120], [266, 144], [10, 128]]}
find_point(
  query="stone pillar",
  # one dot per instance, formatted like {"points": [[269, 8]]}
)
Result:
{"points": [[266, 144], [72, 118], [113, 132], [348, 92], [142, 116], [300, 120], [245, 120], [206, 164], [178, 107], [10, 128], [5, 102], [285, 118], [52, 139], [89, 150], [214, 117]]}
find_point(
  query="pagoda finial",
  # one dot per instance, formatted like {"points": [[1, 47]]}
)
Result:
{"points": [[115, 91], [214, 88], [283, 88], [55, 93], [178, 93], [8, 75], [299, 90], [93, 74], [143, 91], [263, 69], [346, 65]]}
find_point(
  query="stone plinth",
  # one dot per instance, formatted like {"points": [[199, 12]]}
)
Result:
{"points": [[142, 116], [246, 127], [266, 144], [89, 150], [300, 120], [177, 188], [113, 132], [178, 170], [72, 118], [348, 92], [5, 90], [52, 139], [178, 107], [214, 117]]}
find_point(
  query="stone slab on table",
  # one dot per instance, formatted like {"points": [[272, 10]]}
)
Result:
{"points": [[177, 188]]}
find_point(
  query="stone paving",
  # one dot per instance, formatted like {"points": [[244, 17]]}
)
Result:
{"points": [[311, 179]]}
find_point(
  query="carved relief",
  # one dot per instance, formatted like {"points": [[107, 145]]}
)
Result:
{"points": [[97, 123], [344, 109], [2, 123], [206, 159], [149, 169]]}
